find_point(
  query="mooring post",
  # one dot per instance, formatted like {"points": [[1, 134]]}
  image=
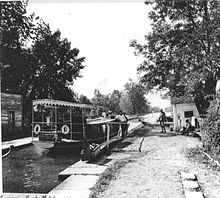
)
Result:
{"points": [[108, 134], [87, 154]]}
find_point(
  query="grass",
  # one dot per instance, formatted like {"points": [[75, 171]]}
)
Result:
{"points": [[106, 177], [197, 156]]}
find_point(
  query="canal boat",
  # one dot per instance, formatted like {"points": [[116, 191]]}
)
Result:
{"points": [[60, 124]]}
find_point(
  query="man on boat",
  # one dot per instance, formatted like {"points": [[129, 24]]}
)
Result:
{"points": [[123, 119]]}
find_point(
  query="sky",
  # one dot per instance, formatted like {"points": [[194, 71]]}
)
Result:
{"points": [[102, 32]]}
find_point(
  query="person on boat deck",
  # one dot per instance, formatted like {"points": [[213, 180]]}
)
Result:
{"points": [[123, 119], [104, 115], [162, 119]]}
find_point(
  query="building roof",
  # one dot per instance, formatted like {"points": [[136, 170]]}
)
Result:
{"points": [[182, 99], [51, 102]]}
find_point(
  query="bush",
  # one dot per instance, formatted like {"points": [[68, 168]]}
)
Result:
{"points": [[211, 128]]}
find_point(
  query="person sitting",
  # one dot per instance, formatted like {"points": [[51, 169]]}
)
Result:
{"points": [[197, 123], [188, 128]]}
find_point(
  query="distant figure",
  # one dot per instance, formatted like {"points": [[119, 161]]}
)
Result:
{"points": [[188, 128], [125, 116], [104, 115], [93, 114], [162, 119], [196, 123], [123, 119]]}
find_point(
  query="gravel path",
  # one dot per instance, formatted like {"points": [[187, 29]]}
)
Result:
{"points": [[155, 172]]}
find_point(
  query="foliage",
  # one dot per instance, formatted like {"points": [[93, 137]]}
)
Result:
{"points": [[134, 98], [126, 104], [182, 51], [131, 100], [100, 101], [155, 109], [83, 99], [114, 100], [109, 102], [35, 62], [211, 128], [16, 27], [57, 65]]}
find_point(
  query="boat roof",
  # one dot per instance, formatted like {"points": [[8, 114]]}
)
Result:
{"points": [[52, 102]]}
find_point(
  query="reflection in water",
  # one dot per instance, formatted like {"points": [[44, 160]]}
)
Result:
{"points": [[34, 170]]}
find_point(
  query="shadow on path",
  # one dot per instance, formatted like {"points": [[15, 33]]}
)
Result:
{"points": [[147, 131]]}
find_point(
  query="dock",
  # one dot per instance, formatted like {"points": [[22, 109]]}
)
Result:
{"points": [[16, 143]]}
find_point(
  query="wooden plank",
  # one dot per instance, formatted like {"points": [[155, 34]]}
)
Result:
{"points": [[18, 124], [4, 119]]}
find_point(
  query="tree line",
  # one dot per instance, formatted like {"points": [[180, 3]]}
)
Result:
{"points": [[130, 100]]}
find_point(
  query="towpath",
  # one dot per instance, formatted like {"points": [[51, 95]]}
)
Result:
{"points": [[155, 171]]}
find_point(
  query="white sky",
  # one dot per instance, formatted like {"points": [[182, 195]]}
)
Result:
{"points": [[102, 32]]}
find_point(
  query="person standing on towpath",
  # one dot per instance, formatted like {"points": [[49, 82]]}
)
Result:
{"points": [[162, 119]]}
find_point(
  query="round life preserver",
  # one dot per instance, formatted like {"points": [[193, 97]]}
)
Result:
{"points": [[37, 129], [65, 129]]}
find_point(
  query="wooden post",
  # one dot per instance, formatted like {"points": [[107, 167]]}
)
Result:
{"points": [[108, 135], [32, 126], [71, 124], [87, 155], [56, 118]]}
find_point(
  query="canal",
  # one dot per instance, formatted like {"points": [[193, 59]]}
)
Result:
{"points": [[32, 169]]}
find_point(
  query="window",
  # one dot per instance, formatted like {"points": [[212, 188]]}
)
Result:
{"points": [[188, 114]]}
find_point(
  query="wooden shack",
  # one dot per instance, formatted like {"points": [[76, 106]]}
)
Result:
{"points": [[183, 108], [11, 115]]}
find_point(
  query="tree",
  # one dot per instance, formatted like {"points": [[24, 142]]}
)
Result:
{"points": [[16, 28], [57, 66], [83, 99], [182, 51], [100, 101], [134, 93], [114, 100], [35, 62], [126, 104], [108, 102]]}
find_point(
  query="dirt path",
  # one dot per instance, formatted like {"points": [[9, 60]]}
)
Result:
{"points": [[155, 173]]}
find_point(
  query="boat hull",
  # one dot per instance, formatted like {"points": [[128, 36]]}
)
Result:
{"points": [[96, 132]]}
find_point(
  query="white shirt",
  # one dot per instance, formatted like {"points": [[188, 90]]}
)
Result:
{"points": [[121, 118]]}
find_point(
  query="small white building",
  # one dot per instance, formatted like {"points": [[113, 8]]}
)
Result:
{"points": [[183, 111]]}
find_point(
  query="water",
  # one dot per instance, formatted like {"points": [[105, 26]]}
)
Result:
{"points": [[34, 170]]}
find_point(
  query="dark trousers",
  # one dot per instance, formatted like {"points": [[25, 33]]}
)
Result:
{"points": [[163, 128], [124, 128]]}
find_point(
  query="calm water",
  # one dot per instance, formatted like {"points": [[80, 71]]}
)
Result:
{"points": [[34, 170]]}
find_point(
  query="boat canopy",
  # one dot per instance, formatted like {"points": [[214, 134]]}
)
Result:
{"points": [[51, 102]]}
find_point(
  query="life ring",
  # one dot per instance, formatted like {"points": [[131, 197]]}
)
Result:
{"points": [[37, 129], [65, 129]]}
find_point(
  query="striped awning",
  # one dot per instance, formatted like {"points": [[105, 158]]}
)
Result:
{"points": [[51, 102]]}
